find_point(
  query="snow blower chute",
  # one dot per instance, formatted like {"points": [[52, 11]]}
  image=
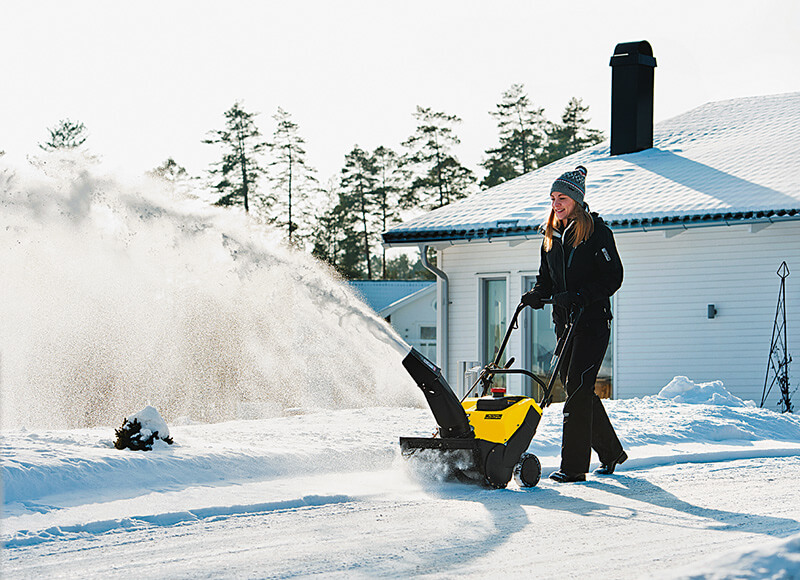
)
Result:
{"points": [[483, 439]]}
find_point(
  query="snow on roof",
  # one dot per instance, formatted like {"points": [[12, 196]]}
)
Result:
{"points": [[381, 294], [397, 304], [723, 162]]}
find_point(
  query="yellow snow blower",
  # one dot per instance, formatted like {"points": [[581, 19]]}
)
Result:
{"points": [[482, 439]]}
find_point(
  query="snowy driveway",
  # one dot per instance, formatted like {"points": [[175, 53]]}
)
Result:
{"points": [[252, 499]]}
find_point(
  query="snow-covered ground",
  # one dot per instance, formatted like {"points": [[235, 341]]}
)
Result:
{"points": [[710, 490]]}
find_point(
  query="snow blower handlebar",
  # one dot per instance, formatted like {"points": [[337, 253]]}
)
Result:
{"points": [[555, 362], [489, 371], [510, 328]]}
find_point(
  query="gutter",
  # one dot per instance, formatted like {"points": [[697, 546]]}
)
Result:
{"points": [[652, 226], [443, 310], [444, 238]]}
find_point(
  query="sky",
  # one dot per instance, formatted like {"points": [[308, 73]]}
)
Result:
{"points": [[150, 79]]}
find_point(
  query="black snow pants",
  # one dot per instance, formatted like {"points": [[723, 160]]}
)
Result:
{"points": [[586, 424]]}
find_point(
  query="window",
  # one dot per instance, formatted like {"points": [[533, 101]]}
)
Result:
{"points": [[493, 321], [427, 342]]}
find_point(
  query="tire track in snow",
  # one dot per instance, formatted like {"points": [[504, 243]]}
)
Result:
{"points": [[168, 519]]}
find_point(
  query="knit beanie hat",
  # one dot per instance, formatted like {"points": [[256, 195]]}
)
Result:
{"points": [[572, 183]]}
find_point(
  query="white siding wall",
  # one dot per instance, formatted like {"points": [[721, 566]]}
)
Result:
{"points": [[408, 319], [661, 311], [662, 329]]}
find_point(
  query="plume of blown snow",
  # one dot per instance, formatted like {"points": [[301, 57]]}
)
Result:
{"points": [[116, 295]]}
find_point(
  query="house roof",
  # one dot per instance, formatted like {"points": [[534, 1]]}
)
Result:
{"points": [[734, 161], [385, 296]]}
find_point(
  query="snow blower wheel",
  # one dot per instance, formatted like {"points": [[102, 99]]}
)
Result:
{"points": [[528, 470]]}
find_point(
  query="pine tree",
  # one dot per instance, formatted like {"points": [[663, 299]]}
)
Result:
{"points": [[65, 135], [335, 238], [173, 174], [291, 176], [390, 178], [359, 181], [522, 130], [238, 172], [572, 134], [402, 268], [170, 171], [440, 177]]}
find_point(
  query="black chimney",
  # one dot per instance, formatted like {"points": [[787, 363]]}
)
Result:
{"points": [[632, 68]]}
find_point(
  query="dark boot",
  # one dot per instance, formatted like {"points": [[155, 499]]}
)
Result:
{"points": [[563, 477], [608, 468]]}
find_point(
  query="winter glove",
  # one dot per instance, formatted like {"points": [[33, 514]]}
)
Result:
{"points": [[567, 300], [532, 299]]}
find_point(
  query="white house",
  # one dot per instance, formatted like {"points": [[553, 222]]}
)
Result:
{"points": [[408, 305], [704, 217]]}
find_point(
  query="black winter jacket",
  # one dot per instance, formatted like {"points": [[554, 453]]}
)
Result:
{"points": [[593, 270]]}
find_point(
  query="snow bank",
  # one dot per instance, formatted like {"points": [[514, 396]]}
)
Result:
{"points": [[775, 559], [84, 462], [684, 390], [655, 431]]}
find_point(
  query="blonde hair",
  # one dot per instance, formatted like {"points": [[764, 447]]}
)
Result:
{"points": [[583, 228]]}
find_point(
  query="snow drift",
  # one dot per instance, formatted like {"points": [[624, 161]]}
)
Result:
{"points": [[684, 390]]}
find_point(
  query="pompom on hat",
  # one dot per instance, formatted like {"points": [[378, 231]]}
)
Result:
{"points": [[572, 184]]}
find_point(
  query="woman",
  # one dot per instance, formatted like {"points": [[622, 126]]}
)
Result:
{"points": [[580, 268]]}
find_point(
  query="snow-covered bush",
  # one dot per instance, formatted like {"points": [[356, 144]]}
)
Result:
{"points": [[141, 430]]}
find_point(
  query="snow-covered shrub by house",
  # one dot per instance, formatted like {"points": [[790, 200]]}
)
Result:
{"points": [[141, 430]]}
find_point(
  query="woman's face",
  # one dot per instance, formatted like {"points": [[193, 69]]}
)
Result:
{"points": [[562, 205]]}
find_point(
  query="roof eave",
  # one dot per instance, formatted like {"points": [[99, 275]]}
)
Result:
{"points": [[445, 238]]}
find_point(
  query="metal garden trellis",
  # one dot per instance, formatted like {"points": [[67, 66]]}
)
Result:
{"points": [[779, 357]]}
